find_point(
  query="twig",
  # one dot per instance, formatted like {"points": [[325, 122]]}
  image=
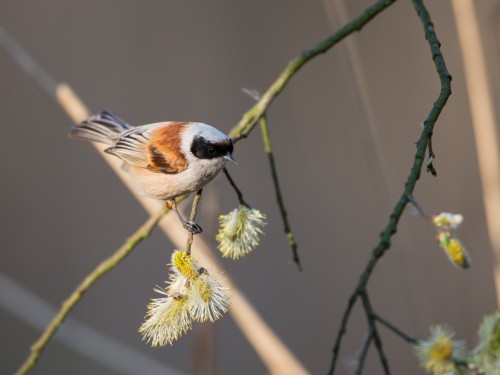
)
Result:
{"points": [[370, 316], [439, 63], [342, 331], [274, 172], [385, 237], [235, 187], [418, 207], [430, 166], [192, 217], [68, 305], [277, 189], [251, 118], [364, 352], [397, 331]]}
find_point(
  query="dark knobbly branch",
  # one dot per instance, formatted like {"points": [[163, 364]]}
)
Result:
{"points": [[422, 144], [370, 316], [342, 330], [430, 166]]}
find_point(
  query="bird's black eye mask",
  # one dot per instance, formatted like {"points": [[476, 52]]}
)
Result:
{"points": [[203, 149]]}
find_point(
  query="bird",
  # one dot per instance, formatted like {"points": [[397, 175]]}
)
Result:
{"points": [[165, 160]]}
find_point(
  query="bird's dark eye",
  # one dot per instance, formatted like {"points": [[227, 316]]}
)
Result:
{"points": [[203, 149]]}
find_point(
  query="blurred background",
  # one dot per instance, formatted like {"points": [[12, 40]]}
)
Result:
{"points": [[344, 135]]}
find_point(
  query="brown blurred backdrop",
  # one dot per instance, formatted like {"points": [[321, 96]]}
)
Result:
{"points": [[343, 133]]}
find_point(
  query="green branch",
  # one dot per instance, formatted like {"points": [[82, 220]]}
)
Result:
{"points": [[68, 305], [385, 237], [277, 189], [252, 117]]}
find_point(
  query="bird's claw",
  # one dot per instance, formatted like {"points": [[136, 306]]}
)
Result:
{"points": [[192, 227]]}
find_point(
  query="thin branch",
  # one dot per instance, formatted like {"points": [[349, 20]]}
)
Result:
{"points": [[385, 237], [252, 117], [430, 160], [274, 172], [342, 331], [192, 217], [235, 187], [370, 316], [363, 354], [277, 189], [418, 207], [105, 266], [397, 331]]}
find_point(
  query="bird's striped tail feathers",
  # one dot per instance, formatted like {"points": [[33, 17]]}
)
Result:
{"points": [[105, 127]]}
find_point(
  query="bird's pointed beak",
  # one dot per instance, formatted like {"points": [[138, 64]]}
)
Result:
{"points": [[230, 158]]}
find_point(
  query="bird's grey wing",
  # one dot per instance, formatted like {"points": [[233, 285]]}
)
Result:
{"points": [[132, 146]]}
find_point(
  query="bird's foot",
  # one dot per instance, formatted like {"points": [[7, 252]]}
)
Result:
{"points": [[192, 227]]}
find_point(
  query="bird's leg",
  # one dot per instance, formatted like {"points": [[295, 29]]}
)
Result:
{"points": [[189, 225]]}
